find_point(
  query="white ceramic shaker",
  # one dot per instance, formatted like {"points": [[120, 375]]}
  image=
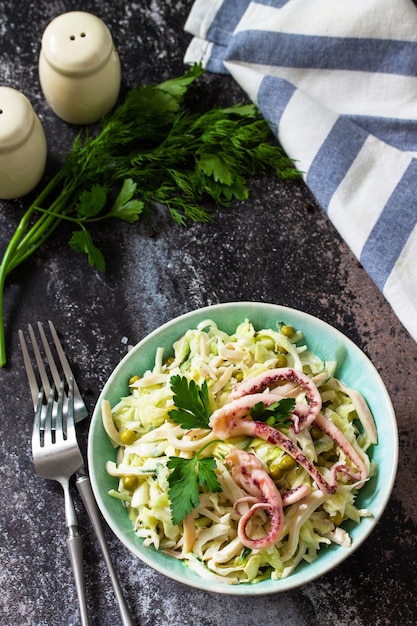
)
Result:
{"points": [[79, 67], [23, 148]]}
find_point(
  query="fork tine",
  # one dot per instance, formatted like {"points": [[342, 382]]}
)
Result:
{"points": [[39, 362], [48, 429], [33, 385], [64, 361], [59, 415], [71, 433], [37, 430], [51, 361]]}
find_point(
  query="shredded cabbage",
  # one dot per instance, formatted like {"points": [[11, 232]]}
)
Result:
{"points": [[207, 540]]}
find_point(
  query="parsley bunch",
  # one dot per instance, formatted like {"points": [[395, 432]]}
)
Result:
{"points": [[150, 149]]}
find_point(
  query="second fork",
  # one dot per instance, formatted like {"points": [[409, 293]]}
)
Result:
{"points": [[56, 456]]}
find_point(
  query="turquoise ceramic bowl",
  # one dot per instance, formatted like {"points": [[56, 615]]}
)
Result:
{"points": [[354, 369]]}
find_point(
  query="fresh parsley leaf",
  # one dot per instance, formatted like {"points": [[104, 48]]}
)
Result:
{"points": [[81, 241], [242, 110], [213, 165], [184, 495], [91, 202], [126, 193], [192, 403], [124, 207], [184, 481], [277, 414], [207, 475], [177, 87]]}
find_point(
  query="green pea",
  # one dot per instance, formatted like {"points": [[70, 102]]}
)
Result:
{"points": [[274, 470], [282, 360], [316, 433], [128, 436], [287, 463], [129, 482]]}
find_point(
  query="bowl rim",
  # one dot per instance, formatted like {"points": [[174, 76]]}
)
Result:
{"points": [[298, 578]]}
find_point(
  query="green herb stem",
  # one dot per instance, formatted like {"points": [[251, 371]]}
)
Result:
{"points": [[29, 235], [7, 261]]}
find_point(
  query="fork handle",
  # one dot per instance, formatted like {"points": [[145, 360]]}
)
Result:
{"points": [[75, 550], [86, 493]]}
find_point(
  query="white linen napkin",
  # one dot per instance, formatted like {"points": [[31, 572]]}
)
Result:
{"points": [[337, 82]]}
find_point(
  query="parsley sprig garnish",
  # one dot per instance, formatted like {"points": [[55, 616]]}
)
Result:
{"points": [[192, 410], [151, 149], [187, 477], [191, 401], [277, 414]]}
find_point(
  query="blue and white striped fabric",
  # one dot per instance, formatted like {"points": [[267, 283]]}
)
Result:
{"points": [[337, 82]]}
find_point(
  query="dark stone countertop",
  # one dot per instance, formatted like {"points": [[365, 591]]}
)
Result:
{"points": [[276, 247]]}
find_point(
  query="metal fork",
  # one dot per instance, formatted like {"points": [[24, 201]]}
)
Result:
{"points": [[56, 456], [80, 411]]}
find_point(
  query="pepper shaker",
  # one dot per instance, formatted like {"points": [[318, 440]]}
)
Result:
{"points": [[23, 148], [79, 67]]}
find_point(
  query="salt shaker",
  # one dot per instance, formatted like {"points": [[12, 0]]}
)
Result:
{"points": [[79, 67], [23, 148]]}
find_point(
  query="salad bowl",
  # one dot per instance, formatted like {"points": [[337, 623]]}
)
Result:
{"points": [[354, 369]]}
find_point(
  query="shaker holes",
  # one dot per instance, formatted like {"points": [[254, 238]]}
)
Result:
{"points": [[73, 37]]}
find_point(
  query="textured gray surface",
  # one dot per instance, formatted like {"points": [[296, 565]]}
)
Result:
{"points": [[276, 247]]}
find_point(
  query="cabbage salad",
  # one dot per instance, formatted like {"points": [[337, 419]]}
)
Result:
{"points": [[240, 454]]}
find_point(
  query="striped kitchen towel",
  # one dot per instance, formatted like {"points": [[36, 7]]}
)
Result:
{"points": [[337, 82]]}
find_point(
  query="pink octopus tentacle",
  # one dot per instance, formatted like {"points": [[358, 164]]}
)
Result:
{"points": [[274, 531], [264, 381], [249, 473], [342, 468], [229, 424], [230, 416], [295, 495], [251, 499], [255, 507], [327, 427]]}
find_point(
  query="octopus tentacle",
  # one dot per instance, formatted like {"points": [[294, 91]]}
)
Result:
{"points": [[249, 473], [263, 542], [364, 414], [230, 416], [326, 426], [229, 424], [258, 384], [246, 499], [295, 495]]}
